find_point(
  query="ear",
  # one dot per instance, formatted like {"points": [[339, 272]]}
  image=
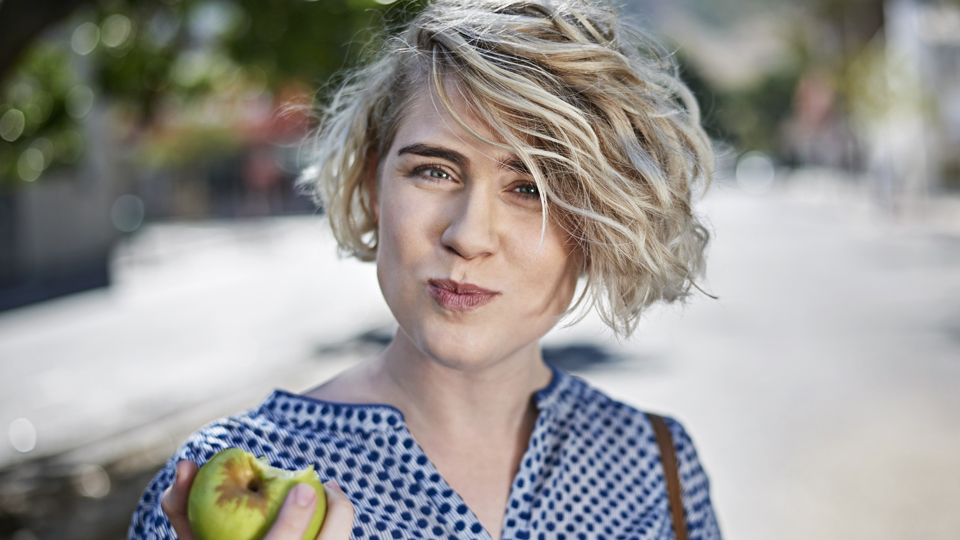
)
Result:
{"points": [[370, 184]]}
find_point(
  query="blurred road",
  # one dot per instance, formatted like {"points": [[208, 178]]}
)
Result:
{"points": [[198, 314], [821, 388]]}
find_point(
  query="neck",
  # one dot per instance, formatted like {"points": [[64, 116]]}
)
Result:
{"points": [[494, 400]]}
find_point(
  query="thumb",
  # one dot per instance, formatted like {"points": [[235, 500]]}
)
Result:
{"points": [[174, 501], [338, 523], [295, 515]]}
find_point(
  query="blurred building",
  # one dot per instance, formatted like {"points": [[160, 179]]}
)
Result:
{"points": [[916, 142], [870, 88]]}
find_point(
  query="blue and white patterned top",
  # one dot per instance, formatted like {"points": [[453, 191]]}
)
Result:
{"points": [[591, 472]]}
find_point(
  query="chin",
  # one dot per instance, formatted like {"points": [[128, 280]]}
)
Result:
{"points": [[464, 351], [468, 347]]}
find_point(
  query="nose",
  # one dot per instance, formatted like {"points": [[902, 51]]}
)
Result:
{"points": [[471, 231]]}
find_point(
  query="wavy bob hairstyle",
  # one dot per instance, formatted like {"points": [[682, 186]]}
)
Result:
{"points": [[595, 112]]}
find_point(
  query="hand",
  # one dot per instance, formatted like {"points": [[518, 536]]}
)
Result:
{"points": [[294, 517]]}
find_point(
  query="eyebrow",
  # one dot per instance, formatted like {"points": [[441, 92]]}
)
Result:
{"points": [[514, 164], [427, 150]]}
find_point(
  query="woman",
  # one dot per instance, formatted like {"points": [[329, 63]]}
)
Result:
{"points": [[494, 156]]}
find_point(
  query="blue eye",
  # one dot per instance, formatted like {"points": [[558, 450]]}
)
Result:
{"points": [[529, 190], [432, 172]]}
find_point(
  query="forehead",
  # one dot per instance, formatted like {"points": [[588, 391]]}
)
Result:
{"points": [[428, 120]]}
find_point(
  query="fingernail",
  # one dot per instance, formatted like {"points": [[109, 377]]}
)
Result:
{"points": [[304, 494], [332, 484]]}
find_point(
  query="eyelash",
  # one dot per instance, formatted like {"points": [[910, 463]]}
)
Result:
{"points": [[431, 167], [527, 185], [427, 168]]}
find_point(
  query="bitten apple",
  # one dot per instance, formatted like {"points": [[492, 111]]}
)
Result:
{"points": [[236, 496]]}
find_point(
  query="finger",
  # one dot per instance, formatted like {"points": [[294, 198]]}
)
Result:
{"points": [[338, 523], [174, 501], [295, 515]]}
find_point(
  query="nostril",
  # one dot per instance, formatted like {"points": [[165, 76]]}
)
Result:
{"points": [[470, 238]]}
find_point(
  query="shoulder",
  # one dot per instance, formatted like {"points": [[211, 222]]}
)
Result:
{"points": [[592, 418], [578, 404]]}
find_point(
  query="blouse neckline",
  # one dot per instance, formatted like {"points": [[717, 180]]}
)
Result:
{"points": [[307, 412]]}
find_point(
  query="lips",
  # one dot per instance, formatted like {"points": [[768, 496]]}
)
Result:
{"points": [[456, 296]]}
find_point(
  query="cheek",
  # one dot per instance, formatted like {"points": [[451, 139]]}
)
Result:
{"points": [[404, 242], [549, 272], [405, 223]]}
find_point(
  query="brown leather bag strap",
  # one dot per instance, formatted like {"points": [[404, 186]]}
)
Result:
{"points": [[671, 473]]}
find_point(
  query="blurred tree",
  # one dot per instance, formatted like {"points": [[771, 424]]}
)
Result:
{"points": [[857, 21], [22, 20], [753, 116], [825, 38], [39, 110], [142, 54], [750, 116], [183, 47]]}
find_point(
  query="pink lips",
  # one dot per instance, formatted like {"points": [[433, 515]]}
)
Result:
{"points": [[456, 296]]}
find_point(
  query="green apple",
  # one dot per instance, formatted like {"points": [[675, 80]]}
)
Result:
{"points": [[236, 496]]}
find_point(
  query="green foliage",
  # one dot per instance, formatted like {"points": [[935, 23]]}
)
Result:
{"points": [[749, 117], [707, 98], [150, 57], [191, 144], [308, 41], [36, 131], [189, 47], [753, 115]]}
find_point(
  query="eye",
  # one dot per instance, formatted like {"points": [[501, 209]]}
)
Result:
{"points": [[527, 190], [438, 173], [431, 172]]}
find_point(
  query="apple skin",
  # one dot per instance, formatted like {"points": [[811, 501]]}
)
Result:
{"points": [[236, 496]]}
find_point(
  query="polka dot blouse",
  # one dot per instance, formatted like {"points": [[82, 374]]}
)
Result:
{"points": [[591, 471]]}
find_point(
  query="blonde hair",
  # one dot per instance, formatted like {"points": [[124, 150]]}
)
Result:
{"points": [[595, 111]]}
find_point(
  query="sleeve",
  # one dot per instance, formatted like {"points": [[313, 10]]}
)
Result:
{"points": [[149, 522], [694, 487]]}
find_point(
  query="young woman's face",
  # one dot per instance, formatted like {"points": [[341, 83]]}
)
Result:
{"points": [[460, 259]]}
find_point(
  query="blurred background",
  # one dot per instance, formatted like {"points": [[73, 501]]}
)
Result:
{"points": [[159, 270]]}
